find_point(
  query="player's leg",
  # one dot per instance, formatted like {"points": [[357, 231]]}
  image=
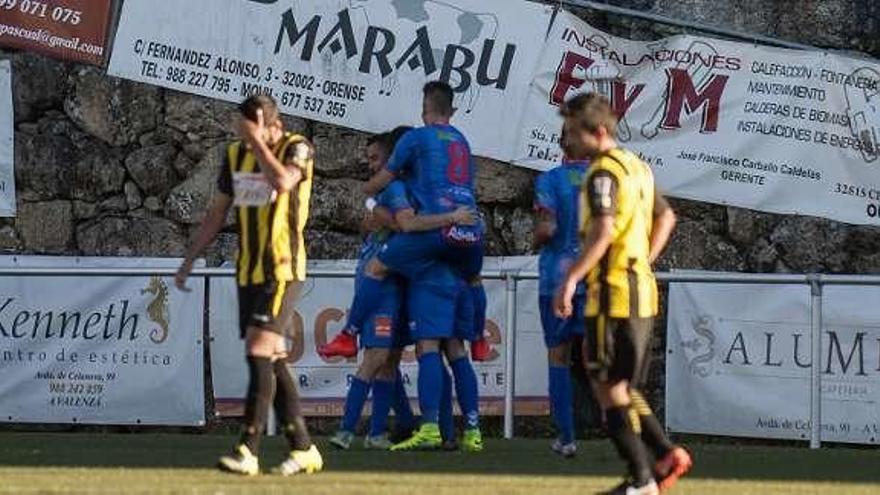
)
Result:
{"points": [[558, 335], [430, 386], [358, 392], [383, 396], [303, 456], [405, 419], [673, 461], [260, 346], [447, 418], [614, 359], [467, 392], [405, 254]]}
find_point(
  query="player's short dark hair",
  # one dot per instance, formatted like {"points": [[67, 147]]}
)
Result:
{"points": [[398, 133], [589, 112], [441, 96], [248, 108]]}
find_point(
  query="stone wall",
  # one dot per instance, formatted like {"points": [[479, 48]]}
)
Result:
{"points": [[109, 167]]}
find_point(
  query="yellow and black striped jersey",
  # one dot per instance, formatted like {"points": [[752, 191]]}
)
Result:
{"points": [[270, 225], [622, 285]]}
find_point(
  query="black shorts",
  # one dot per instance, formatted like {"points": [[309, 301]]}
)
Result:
{"points": [[618, 349], [268, 307]]}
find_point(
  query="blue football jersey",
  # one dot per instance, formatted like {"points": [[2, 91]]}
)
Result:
{"points": [[557, 191], [436, 164]]}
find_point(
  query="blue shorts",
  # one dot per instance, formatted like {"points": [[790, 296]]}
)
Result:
{"points": [[441, 312], [411, 254], [556, 330], [387, 327]]}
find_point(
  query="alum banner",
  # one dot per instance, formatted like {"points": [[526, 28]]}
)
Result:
{"points": [[777, 130], [320, 315], [7, 142], [355, 63], [100, 350], [738, 362]]}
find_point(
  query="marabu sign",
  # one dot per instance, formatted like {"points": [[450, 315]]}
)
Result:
{"points": [[104, 350], [739, 360], [776, 130], [356, 63]]}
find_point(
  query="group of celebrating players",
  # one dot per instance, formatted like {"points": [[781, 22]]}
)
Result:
{"points": [[600, 224]]}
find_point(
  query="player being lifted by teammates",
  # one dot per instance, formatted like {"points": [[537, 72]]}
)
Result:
{"points": [[556, 234], [267, 176], [435, 163], [385, 333], [625, 225]]}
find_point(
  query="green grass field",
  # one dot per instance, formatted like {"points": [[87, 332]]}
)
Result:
{"points": [[158, 464]]}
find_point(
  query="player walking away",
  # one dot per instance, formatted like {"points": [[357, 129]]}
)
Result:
{"points": [[441, 319], [436, 164], [267, 176], [556, 234], [626, 225]]}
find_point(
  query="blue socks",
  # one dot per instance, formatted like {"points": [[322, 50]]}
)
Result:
{"points": [[447, 426], [561, 402], [467, 392], [382, 394], [367, 299], [406, 420], [479, 296], [430, 386], [354, 403]]}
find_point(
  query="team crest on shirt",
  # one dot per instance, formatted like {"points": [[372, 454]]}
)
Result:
{"points": [[382, 325]]}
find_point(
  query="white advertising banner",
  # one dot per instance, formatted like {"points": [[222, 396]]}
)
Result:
{"points": [[321, 314], [356, 63], [7, 142], [739, 358], [100, 350], [776, 130]]}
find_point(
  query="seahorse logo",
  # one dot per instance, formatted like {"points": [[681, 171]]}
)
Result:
{"points": [[703, 345], [157, 310]]}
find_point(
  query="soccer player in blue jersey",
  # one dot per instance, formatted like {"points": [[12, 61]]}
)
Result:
{"points": [[436, 164], [383, 336], [557, 193], [441, 319]]}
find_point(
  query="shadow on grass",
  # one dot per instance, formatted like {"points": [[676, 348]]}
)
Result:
{"points": [[502, 458]]}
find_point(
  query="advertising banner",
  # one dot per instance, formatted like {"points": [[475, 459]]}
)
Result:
{"points": [[782, 131], [100, 350], [739, 360], [7, 142], [74, 30], [356, 63]]}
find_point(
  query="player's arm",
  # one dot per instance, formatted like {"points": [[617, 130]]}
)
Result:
{"points": [[379, 218], [210, 227], [281, 176], [661, 230], [408, 221], [378, 182], [401, 158], [601, 194]]}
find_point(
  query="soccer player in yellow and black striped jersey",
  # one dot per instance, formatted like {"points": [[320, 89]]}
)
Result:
{"points": [[267, 177], [625, 224]]}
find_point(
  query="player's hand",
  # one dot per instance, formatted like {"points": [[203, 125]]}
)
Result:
{"points": [[562, 304], [464, 216], [183, 274], [252, 132]]}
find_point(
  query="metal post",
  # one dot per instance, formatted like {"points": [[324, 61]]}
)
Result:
{"points": [[509, 353], [271, 423], [816, 367]]}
